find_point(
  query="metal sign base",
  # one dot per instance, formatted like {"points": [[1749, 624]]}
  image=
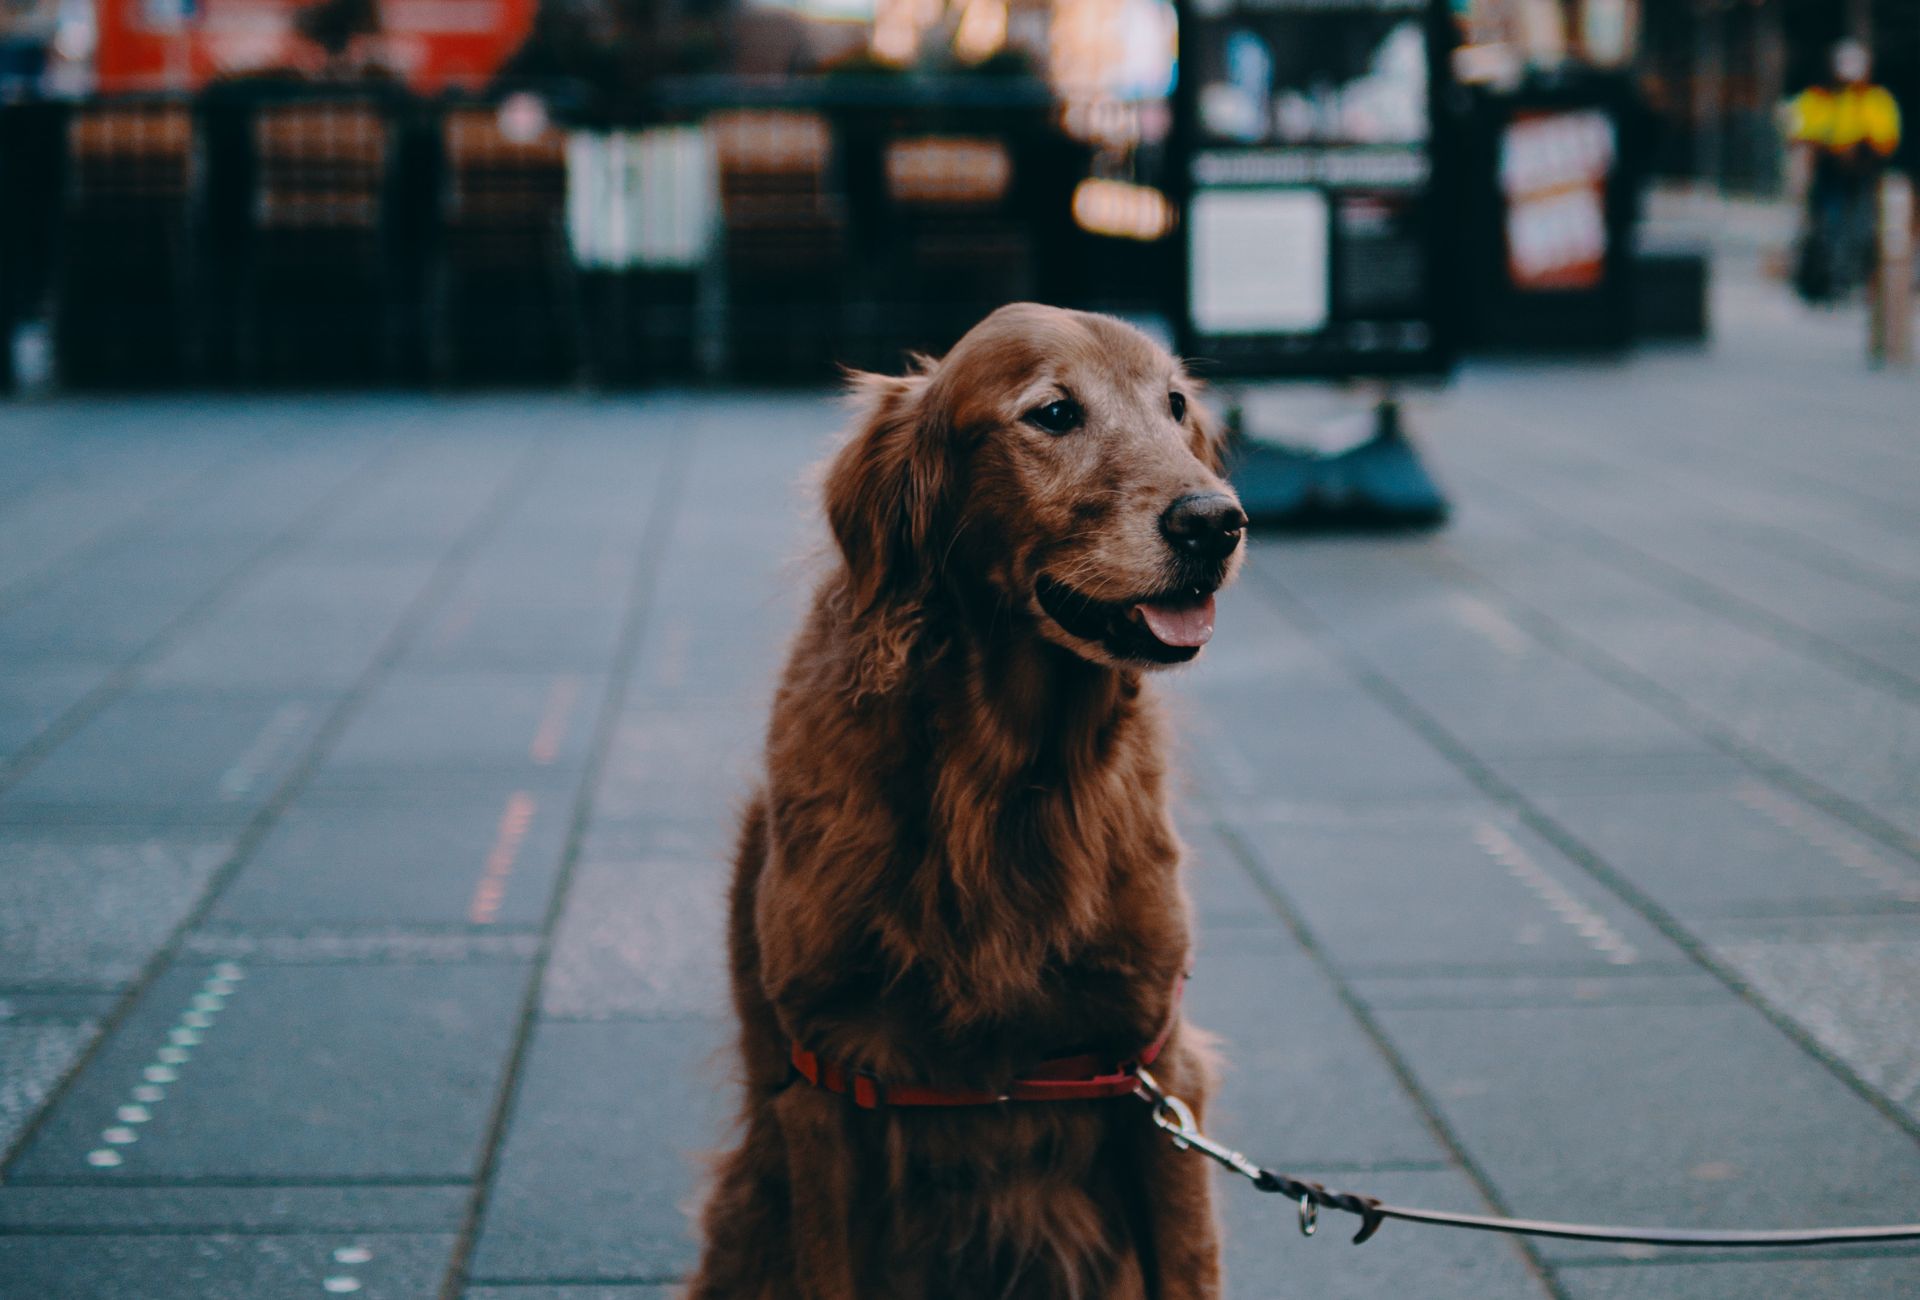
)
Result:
{"points": [[1381, 485]]}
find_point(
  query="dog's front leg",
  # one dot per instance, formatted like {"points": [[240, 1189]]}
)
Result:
{"points": [[1179, 1188], [820, 1170]]}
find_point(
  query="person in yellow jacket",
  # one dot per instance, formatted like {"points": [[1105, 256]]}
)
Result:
{"points": [[1843, 135]]}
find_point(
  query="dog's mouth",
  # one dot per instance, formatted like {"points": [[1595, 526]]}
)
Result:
{"points": [[1168, 627]]}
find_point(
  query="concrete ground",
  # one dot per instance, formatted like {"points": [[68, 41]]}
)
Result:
{"points": [[369, 765]]}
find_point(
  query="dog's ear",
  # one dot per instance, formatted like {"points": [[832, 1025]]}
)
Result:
{"points": [[886, 487]]}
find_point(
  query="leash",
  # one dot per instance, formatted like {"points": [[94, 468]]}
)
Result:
{"points": [[1175, 1118]]}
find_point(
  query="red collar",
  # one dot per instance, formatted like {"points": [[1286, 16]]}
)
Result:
{"points": [[1068, 1078]]}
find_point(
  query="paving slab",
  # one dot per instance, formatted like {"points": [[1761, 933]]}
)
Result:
{"points": [[89, 906], [1743, 849], [55, 516], [1594, 1114], [1858, 997], [404, 858], [223, 1266], [1553, 708], [293, 1210], [479, 630], [313, 622], [737, 580], [362, 946], [55, 1006], [1537, 776], [1649, 987], [422, 499], [1223, 893], [1385, 601], [302, 1072], [114, 607], [156, 756], [1333, 744], [1778, 1279], [691, 765], [1267, 1256], [579, 573], [33, 1059], [1300, 1081], [642, 938], [257, 502], [425, 728], [30, 701], [1852, 736], [603, 1153], [1473, 895], [571, 1293]]}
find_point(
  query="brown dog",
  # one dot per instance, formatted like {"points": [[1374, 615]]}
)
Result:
{"points": [[962, 864]]}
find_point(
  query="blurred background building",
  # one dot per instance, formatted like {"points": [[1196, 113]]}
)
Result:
{"points": [[262, 190]]}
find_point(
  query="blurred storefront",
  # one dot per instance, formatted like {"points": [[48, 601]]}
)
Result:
{"points": [[247, 191], [1718, 72], [1713, 73]]}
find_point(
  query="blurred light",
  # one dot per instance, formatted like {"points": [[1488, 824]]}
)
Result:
{"points": [[1122, 210], [1494, 65], [1122, 48], [522, 117], [898, 25], [982, 30], [1114, 123]]}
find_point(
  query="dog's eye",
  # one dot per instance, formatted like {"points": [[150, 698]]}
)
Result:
{"points": [[1177, 403], [1063, 416]]}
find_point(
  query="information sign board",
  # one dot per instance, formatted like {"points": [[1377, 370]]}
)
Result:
{"points": [[1310, 177]]}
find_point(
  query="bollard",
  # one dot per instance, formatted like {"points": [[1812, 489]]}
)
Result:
{"points": [[1891, 342]]}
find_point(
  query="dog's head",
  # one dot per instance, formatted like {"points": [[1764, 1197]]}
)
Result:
{"points": [[1056, 467]]}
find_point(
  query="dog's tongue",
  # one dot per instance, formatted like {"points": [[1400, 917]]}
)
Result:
{"points": [[1180, 623]]}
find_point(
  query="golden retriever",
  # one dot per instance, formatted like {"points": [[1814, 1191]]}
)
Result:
{"points": [[961, 864]]}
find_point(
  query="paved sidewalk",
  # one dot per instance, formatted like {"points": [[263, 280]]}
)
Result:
{"points": [[369, 766]]}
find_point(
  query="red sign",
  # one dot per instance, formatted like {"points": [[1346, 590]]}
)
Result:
{"points": [[180, 45]]}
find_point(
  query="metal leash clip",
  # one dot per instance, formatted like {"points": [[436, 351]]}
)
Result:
{"points": [[1175, 1118]]}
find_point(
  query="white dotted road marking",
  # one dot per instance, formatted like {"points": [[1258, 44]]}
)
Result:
{"points": [[148, 1093], [274, 737], [1862, 861], [348, 1257], [1587, 923], [1478, 616]]}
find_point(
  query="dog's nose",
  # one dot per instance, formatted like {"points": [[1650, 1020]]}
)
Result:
{"points": [[1206, 525]]}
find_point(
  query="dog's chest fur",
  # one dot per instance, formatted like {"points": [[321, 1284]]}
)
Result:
{"points": [[1002, 891]]}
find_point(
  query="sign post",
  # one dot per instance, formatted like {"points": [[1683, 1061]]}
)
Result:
{"points": [[1311, 178], [1892, 299]]}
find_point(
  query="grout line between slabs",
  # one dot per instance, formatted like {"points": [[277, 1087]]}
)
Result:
{"points": [[29, 756], [1356, 1007], [653, 548], [1403, 707], [516, 480]]}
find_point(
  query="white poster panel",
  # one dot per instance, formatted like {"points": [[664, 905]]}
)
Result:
{"points": [[1259, 261]]}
